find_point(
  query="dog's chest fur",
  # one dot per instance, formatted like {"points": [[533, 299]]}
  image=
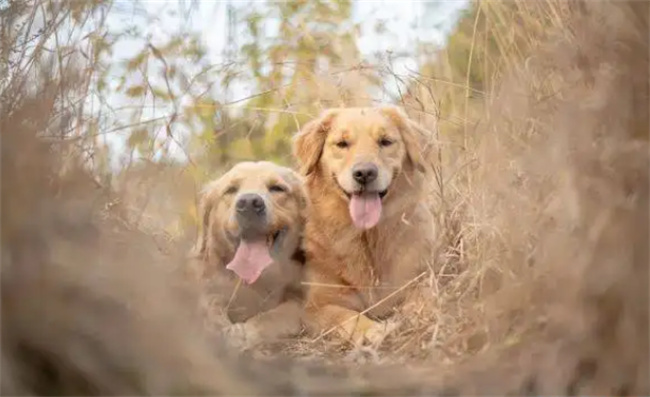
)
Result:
{"points": [[378, 261], [280, 282]]}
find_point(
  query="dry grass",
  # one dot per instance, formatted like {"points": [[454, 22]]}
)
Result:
{"points": [[540, 192]]}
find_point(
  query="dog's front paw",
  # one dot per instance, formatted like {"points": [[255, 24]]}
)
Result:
{"points": [[376, 334], [366, 331]]}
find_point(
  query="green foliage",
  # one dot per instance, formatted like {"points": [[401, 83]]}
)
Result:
{"points": [[469, 53]]}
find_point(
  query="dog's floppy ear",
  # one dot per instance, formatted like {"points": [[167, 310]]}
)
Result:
{"points": [[205, 211], [309, 141], [417, 140]]}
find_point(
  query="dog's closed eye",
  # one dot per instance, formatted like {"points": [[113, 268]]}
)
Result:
{"points": [[275, 188], [231, 190], [342, 144]]}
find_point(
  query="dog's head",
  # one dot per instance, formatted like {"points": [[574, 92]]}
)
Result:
{"points": [[251, 215], [363, 151]]}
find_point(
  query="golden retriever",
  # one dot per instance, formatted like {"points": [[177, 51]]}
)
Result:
{"points": [[249, 250], [369, 231]]}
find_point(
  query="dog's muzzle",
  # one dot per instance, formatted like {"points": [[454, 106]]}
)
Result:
{"points": [[365, 176], [251, 215], [365, 173]]}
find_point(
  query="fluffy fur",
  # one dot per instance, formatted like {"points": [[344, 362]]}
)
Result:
{"points": [[351, 270]]}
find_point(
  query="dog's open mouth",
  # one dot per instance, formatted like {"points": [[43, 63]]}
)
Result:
{"points": [[365, 207], [253, 255], [381, 194]]}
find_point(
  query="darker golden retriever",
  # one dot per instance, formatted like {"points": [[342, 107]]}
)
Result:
{"points": [[250, 248], [369, 231]]}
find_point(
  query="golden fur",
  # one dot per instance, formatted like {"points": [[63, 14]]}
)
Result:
{"points": [[270, 307], [366, 267]]}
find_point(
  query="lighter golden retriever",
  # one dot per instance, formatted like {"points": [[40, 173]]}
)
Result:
{"points": [[369, 231], [249, 250]]}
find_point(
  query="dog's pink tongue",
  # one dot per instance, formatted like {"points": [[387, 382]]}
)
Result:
{"points": [[251, 258], [365, 210]]}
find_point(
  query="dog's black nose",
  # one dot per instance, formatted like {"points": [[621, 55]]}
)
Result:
{"points": [[365, 173], [250, 202]]}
